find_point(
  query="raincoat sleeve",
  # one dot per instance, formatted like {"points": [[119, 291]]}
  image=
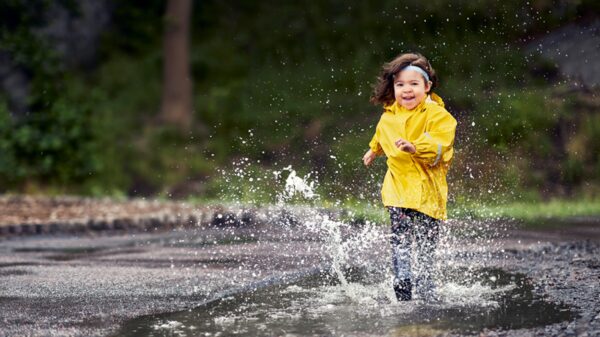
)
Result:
{"points": [[374, 143], [435, 144]]}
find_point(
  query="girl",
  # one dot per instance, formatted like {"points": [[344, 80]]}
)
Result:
{"points": [[416, 134]]}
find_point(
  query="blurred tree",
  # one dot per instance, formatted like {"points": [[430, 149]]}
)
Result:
{"points": [[176, 107]]}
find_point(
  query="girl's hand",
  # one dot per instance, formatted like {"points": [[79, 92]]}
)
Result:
{"points": [[369, 157], [405, 145]]}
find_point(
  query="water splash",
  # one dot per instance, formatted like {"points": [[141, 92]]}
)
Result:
{"points": [[355, 295], [295, 185], [347, 247], [341, 240]]}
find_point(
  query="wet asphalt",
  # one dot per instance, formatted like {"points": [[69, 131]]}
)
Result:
{"points": [[89, 285]]}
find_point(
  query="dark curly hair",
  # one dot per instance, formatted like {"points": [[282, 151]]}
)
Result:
{"points": [[383, 90]]}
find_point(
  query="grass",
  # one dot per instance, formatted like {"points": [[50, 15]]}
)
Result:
{"points": [[556, 212], [553, 212], [363, 212], [365, 208]]}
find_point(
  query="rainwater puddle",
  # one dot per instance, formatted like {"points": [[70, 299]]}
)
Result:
{"points": [[320, 305], [64, 250]]}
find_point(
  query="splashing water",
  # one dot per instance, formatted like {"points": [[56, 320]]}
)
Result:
{"points": [[366, 248], [349, 248], [295, 185], [355, 295], [340, 239]]}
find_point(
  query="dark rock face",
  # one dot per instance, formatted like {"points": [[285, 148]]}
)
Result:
{"points": [[574, 49], [73, 33], [15, 83]]}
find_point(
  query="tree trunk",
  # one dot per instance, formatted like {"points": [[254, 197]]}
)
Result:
{"points": [[176, 106]]}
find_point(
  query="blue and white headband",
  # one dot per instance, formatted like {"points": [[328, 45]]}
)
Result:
{"points": [[417, 69]]}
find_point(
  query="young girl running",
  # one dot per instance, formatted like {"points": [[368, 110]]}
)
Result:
{"points": [[416, 134]]}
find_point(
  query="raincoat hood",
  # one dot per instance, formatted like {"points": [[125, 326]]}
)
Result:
{"points": [[432, 98]]}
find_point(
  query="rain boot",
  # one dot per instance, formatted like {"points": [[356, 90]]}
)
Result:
{"points": [[403, 290]]}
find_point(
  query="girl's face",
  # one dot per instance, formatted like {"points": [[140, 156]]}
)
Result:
{"points": [[410, 88]]}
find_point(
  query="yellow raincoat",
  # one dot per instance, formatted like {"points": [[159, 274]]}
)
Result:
{"points": [[416, 181]]}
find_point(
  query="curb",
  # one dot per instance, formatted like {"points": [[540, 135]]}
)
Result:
{"points": [[169, 219], [217, 217]]}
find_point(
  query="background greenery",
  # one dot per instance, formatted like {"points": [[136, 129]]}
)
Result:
{"points": [[288, 84]]}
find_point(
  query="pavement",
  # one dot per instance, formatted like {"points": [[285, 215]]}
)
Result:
{"points": [[89, 284]]}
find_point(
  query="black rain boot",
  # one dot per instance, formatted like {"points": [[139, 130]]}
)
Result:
{"points": [[403, 290]]}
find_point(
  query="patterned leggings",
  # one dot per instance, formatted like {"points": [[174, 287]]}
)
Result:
{"points": [[407, 226]]}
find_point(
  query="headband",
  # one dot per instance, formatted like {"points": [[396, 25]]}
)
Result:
{"points": [[417, 69]]}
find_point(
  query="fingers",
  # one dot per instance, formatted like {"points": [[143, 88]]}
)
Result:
{"points": [[368, 154], [368, 159], [405, 145]]}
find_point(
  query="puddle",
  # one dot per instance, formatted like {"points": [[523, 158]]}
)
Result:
{"points": [[15, 272], [204, 238], [18, 264], [319, 305], [75, 253], [86, 254], [65, 250]]}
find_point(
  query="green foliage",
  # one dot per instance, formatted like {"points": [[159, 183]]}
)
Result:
{"points": [[519, 118], [8, 160], [288, 84], [66, 145], [137, 26]]}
